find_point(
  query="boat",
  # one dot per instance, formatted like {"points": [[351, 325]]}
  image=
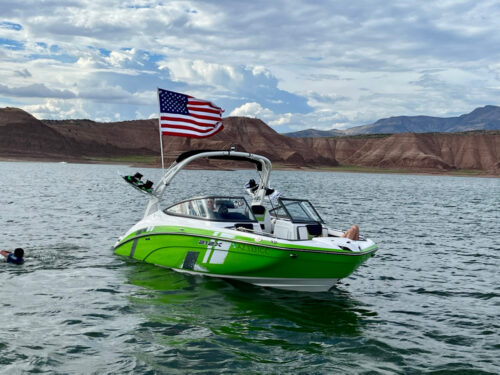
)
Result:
{"points": [[271, 241]]}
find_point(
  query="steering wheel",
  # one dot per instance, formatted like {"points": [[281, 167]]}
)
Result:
{"points": [[222, 210]]}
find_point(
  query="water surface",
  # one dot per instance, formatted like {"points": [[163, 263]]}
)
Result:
{"points": [[427, 303]]}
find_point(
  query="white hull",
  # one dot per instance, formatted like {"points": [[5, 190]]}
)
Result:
{"points": [[295, 284]]}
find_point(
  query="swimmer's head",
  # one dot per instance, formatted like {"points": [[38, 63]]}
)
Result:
{"points": [[19, 253]]}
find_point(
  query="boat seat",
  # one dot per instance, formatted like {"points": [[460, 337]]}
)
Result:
{"points": [[288, 230], [297, 231], [314, 230], [233, 216], [308, 231], [263, 217]]}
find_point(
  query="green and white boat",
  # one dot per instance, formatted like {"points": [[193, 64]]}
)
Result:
{"points": [[271, 242]]}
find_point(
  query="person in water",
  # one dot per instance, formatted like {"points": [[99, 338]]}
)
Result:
{"points": [[16, 257], [352, 233]]}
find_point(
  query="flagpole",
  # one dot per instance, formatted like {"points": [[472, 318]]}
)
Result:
{"points": [[159, 129]]}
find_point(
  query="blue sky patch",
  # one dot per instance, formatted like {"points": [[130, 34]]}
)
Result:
{"points": [[11, 44], [61, 58], [104, 52], [54, 48], [10, 26]]}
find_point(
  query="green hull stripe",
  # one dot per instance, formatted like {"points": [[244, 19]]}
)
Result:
{"points": [[371, 249]]}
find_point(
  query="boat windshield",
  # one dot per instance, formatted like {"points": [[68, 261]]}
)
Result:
{"points": [[214, 208], [296, 210]]}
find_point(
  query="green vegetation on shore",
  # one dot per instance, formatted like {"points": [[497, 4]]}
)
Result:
{"points": [[365, 169], [142, 159]]}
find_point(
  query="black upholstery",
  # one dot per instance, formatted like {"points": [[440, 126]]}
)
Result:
{"points": [[258, 210], [314, 229]]}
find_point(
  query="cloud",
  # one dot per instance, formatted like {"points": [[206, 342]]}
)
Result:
{"points": [[56, 109], [255, 110], [252, 110], [357, 62], [23, 73], [325, 99], [252, 83], [199, 72], [282, 120], [36, 90]]}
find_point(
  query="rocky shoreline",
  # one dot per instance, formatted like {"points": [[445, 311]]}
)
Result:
{"points": [[279, 167], [23, 137]]}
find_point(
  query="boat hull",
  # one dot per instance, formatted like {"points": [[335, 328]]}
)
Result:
{"points": [[295, 284], [256, 260]]}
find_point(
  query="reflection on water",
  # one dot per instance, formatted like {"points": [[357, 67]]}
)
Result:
{"points": [[335, 311], [238, 321]]}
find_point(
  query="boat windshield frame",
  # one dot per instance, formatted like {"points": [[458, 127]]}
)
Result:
{"points": [[285, 204], [198, 208]]}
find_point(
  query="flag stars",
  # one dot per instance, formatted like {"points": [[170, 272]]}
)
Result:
{"points": [[172, 102]]}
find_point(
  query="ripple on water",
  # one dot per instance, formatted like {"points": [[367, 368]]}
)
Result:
{"points": [[427, 303]]}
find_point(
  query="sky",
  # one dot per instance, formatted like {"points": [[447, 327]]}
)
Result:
{"points": [[295, 64]]}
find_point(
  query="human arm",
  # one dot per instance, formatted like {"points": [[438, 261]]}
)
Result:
{"points": [[352, 233]]}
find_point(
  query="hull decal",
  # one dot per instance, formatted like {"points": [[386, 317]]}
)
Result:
{"points": [[207, 255], [218, 257], [190, 260], [134, 244], [216, 251]]}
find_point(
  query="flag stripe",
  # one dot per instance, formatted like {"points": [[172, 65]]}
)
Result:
{"points": [[189, 117], [203, 109], [186, 123], [203, 115], [190, 133], [196, 116], [178, 118], [182, 125], [183, 115], [194, 101]]}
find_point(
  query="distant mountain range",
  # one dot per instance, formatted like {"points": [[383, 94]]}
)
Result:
{"points": [[23, 137], [484, 118], [315, 133]]}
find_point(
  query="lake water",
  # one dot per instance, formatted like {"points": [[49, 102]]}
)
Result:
{"points": [[428, 302]]}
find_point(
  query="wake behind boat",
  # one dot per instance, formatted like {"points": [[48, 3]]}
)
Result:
{"points": [[272, 242]]}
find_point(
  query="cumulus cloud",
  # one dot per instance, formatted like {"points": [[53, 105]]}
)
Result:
{"points": [[251, 110], [199, 72], [281, 120], [252, 83], [56, 109], [255, 110]]}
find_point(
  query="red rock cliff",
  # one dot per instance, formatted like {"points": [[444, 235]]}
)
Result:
{"points": [[22, 135]]}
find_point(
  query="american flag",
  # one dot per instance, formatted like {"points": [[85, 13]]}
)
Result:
{"points": [[184, 116]]}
